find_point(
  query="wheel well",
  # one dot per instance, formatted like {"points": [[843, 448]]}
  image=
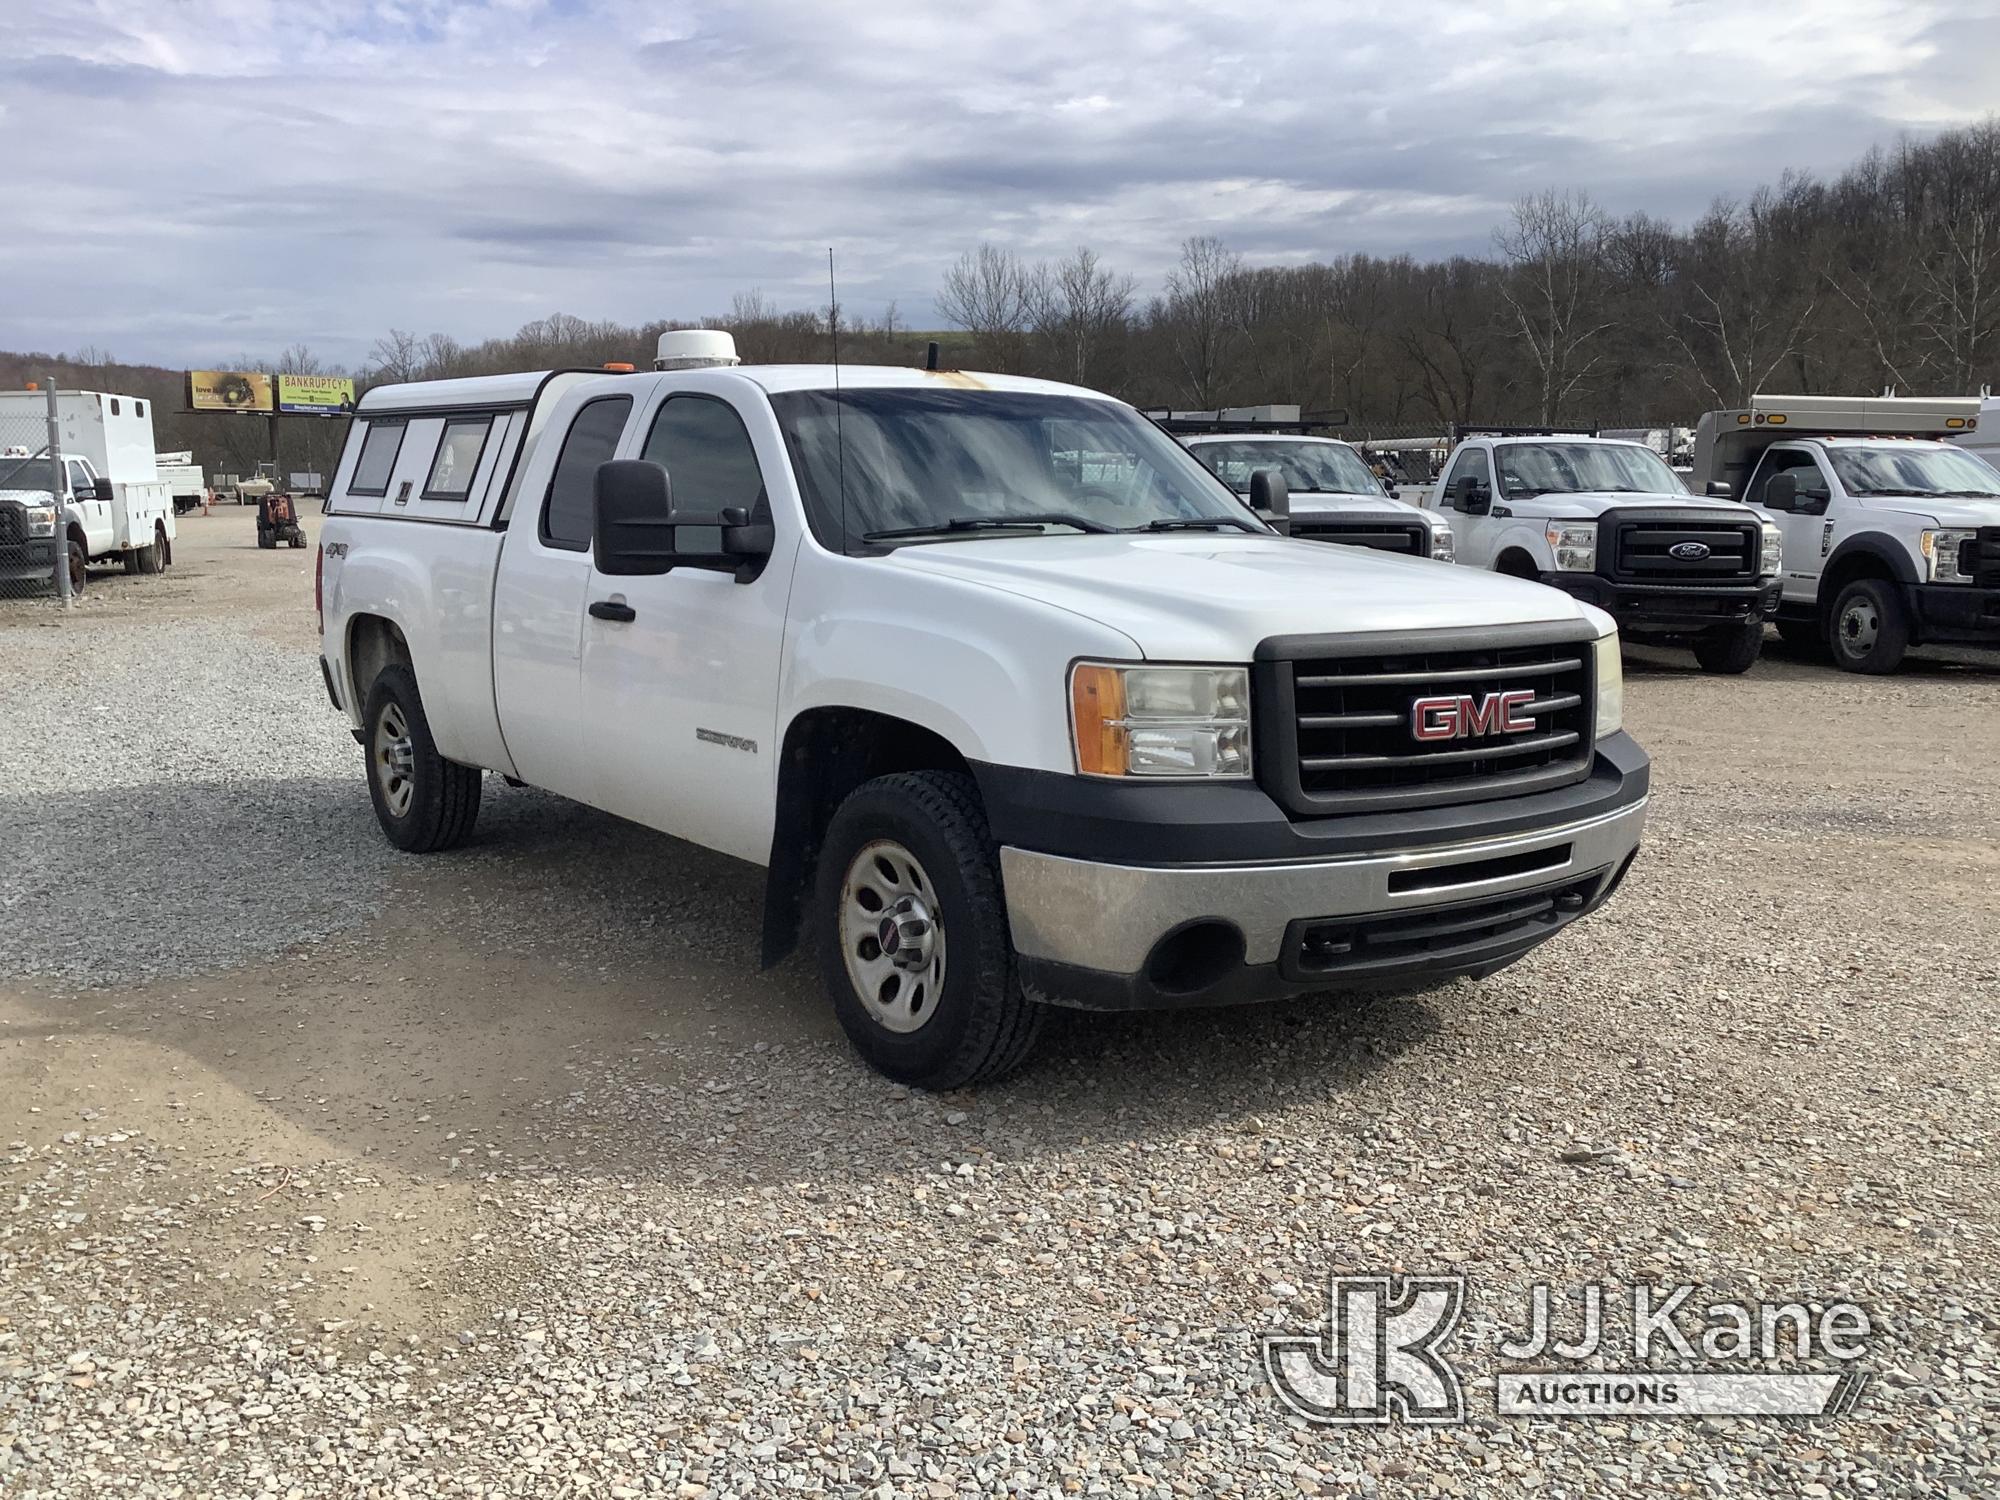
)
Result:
{"points": [[372, 644], [1516, 563], [75, 533], [827, 753], [1850, 569]]}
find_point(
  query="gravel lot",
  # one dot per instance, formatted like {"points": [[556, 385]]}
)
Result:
{"points": [[331, 1171]]}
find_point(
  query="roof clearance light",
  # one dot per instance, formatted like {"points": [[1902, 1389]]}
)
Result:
{"points": [[1776, 419], [1970, 423], [619, 367], [1743, 419], [1760, 418], [1954, 421]]}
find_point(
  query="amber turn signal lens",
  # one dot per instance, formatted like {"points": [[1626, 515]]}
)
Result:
{"points": [[1097, 709]]}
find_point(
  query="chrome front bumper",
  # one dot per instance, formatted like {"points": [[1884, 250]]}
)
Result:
{"points": [[1108, 918]]}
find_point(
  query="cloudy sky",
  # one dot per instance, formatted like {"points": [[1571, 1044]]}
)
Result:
{"points": [[192, 180]]}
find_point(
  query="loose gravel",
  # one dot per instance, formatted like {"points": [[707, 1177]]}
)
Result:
{"points": [[528, 1183]]}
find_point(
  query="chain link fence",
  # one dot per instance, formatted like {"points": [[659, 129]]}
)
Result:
{"points": [[38, 559]]}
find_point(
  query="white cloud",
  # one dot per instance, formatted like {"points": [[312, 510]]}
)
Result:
{"points": [[239, 178]]}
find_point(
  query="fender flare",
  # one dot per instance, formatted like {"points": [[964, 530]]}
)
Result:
{"points": [[1878, 545]]}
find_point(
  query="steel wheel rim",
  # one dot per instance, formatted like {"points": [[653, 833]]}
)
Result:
{"points": [[1859, 626], [395, 760], [891, 936]]}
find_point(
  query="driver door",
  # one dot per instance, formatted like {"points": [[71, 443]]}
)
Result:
{"points": [[1806, 527], [1474, 531]]}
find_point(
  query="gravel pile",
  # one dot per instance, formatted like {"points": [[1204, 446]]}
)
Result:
{"points": [[175, 799]]}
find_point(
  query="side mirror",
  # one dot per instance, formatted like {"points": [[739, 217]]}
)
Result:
{"points": [[1781, 492], [633, 531], [101, 491], [1470, 496], [1271, 498], [1719, 488], [1812, 502]]}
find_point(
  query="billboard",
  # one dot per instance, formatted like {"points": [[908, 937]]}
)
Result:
{"points": [[229, 390], [316, 395]]}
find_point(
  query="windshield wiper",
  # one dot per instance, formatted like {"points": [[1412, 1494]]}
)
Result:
{"points": [[988, 523], [1192, 523]]}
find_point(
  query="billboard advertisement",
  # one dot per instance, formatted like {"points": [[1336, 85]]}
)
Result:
{"points": [[316, 395], [229, 390]]}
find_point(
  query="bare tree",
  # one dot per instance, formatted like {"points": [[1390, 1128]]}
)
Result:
{"points": [[1740, 300], [1554, 246], [991, 295], [1196, 312], [1079, 305], [396, 356]]}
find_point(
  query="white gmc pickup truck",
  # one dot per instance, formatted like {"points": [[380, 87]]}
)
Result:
{"points": [[1016, 703]]}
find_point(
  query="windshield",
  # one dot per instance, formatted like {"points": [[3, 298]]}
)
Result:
{"points": [[1913, 471], [27, 474], [971, 460], [1572, 468], [1326, 467]]}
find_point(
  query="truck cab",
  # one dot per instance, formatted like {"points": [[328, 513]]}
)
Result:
{"points": [[1333, 495], [1015, 703], [1606, 521], [1891, 528]]}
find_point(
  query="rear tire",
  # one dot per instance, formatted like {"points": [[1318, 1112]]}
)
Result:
{"points": [[424, 802], [1729, 650], [266, 541], [1869, 630], [913, 851], [146, 559]]}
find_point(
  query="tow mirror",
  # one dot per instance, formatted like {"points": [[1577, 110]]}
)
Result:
{"points": [[1719, 489], [101, 491], [1271, 499], [1470, 496], [1781, 492], [639, 532]]}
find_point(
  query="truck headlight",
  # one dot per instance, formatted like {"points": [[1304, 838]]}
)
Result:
{"points": [[1774, 552], [1441, 543], [1941, 551], [1575, 546], [41, 520], [1610, 686], [1160, 721]]}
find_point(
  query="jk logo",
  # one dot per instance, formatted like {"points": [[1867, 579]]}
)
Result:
{"points": [[1380, 1359]]}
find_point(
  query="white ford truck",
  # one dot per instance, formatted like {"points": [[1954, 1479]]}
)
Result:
{"points": [[1608, 522], [1014, 701], [1892, 530], [106, 503], [1334, 496]]}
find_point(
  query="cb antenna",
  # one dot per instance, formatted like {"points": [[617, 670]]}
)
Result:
{"points": [[839, 435]]}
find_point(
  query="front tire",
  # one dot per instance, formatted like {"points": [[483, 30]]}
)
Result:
{"points": [[79, 568], [1729, 650], [424, 802], [913, 938], [1869, 630]]}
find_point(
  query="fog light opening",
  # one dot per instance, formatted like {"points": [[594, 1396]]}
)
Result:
{"points": [[1194, 957]]}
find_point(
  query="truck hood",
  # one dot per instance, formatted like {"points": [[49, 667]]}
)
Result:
{"points": [[28, 497], [1589, 505], [1200, 596], [1325, 503], [1935, 510]]}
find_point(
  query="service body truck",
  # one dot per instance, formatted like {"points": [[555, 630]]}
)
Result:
{"points": [[184, 480], [1892, 532], [1608, 522], [107, 503], [1005, 730], [1333, 495]]}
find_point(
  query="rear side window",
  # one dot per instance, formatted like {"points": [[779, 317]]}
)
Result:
{"points": [[703, 446], [379, 447], [592, 439], [458, 451]]}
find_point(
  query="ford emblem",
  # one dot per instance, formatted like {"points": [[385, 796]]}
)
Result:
{"points": [[1688, 551]]}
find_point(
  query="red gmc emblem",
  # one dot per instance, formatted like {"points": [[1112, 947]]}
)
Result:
{"points": [[1462, 715]]}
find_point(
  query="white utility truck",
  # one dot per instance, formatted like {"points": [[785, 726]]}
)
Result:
{"points": [[1334, 495], [1892, 534], [1016, 703], [106, 504], [184, 480], [1609, 523]]}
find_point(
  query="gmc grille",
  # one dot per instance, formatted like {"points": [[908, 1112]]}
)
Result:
{"points": [[1641, 549], [1382, 533], [1335, 717], [1979, 557]]}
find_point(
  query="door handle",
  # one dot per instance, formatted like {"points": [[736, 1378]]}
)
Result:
{"points": [[611, 609]]}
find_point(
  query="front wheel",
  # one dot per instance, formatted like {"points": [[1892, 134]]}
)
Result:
{"points": [[79, 568], [423, 801], [1870, 629], [1729, 650], [913, 938]]}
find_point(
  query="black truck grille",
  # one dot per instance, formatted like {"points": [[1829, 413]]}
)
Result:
{"points": [[1683, 549], [1979, 557], [13, 525], [1383, 533], [1431, 935], [1337, 720]]}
